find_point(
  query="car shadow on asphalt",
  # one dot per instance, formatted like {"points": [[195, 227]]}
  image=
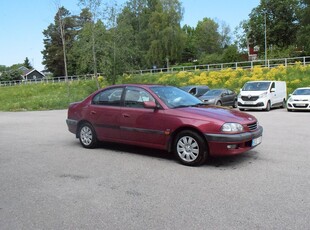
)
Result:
{"points": [[223, 162], [121, 148], [235, 161]]}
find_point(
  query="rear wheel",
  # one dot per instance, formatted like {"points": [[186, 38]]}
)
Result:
{"points": [[87, 136], [283, 103], [190, 148]]}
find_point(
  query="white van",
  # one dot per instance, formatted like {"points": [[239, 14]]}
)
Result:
{"points": [[262, 95]]}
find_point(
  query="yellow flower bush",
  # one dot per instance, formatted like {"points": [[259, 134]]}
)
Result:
{"points": [[297, 75]]}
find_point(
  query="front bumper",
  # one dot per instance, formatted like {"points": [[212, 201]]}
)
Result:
{"points": [[298, 105], [258, 104], [232, 144]]}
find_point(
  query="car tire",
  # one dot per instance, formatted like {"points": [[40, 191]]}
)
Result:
{"points": [[283, 104], [190, 148], [219, 103], [235, 105], [268, 107], [87, 136]]}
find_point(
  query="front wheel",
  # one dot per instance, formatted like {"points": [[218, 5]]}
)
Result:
{"points": [[190, 148], [268, 107], [87, 136], [235, 104]]}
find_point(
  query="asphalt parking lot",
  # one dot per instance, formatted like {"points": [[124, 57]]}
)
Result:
{"points": [[48, 181]]}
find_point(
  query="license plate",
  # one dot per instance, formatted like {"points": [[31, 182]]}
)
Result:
{"points": [[300, 105], [257, 141], [248, 102]]}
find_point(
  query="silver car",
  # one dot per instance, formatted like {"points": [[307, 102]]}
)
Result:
{"points": [[221, 97]]}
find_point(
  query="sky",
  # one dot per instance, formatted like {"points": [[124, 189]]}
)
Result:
{"points": [[22, 22]]}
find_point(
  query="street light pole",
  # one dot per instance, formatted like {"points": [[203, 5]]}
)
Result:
{"points": [[265, 40]]}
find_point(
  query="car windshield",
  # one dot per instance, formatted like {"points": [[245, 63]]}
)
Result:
{"points": [[213, 92], [302, 92], [174, 97], [256, 86]]}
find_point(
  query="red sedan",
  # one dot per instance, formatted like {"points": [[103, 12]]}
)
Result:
{"points": [[162, 117]]}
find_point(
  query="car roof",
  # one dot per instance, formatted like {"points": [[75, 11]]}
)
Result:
{"points": [[303, 88]]}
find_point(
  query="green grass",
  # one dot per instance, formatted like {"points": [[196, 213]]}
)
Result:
{"points": [[44, 96], [51, 96]]}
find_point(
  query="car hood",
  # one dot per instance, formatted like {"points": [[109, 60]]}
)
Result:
{"points": [[218, 113], [252, 93], [301, 97]]}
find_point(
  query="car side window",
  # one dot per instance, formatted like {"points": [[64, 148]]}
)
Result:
{"points": [[193, 91], [110, 97], [272, 86], [135, 97]]}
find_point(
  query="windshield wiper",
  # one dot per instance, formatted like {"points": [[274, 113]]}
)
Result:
{"points": [[198, 104], [194, 105], [181, 106]]}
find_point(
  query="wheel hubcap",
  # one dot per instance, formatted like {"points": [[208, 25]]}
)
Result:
{"points": [[188, 149], [86, 135]]}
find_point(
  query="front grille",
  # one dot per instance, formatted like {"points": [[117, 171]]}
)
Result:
{"points": [[249, 98], [252, 126], [301, 106]]}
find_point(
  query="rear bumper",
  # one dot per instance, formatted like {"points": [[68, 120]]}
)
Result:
{"points": [[232, 144], [72, 125]]}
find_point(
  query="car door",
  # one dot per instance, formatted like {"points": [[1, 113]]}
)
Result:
{"points": [[140, 125], [273, 94], [230, 97], [105, 113]]}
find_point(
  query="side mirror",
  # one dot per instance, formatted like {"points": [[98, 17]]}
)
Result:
{"points": [[149, 104]]}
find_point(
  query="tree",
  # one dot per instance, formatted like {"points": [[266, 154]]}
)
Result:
{"points": [[279, 19], [208, 39], [93, 6], [165, 34], [11, 75], [53, 53], [190, 49], [27, 63], [303, 34]]}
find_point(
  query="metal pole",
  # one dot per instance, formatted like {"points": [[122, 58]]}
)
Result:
{"points": [[265, 40]]}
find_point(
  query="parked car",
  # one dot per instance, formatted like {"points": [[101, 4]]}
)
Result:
{"points": [[162, 117], [299, 99], [196, 90], [221, 97], [262, 95]]}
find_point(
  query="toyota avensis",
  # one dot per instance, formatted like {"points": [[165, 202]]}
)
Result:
{"points": [[162, 117]]}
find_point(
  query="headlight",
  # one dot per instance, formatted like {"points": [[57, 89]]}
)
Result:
{"points": [[232, 127], [263, 95], [290, 99]]}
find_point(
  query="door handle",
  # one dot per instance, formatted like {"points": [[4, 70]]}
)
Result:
{"points": [[93, 112], [126, 115]]}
